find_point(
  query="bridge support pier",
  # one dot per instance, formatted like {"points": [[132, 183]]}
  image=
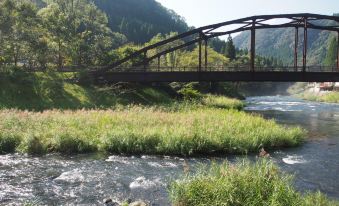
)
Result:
{"points": [[296, 42]]}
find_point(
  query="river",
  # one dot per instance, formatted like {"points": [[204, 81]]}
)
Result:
{"points": [[88, 179]]}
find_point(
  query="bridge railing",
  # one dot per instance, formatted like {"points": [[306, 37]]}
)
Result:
{"points": [[239, 68], [227, 69]]}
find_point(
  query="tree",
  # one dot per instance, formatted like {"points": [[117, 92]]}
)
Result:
{"points": [[331, 56], [230, 51], [190, 58], [78, 32], [170, 59], [20, 31]]}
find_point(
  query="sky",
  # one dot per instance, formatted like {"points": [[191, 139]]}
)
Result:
{"points": [[204, 12]]}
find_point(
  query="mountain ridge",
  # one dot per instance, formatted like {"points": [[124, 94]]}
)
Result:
{"points": [[279, 43]]}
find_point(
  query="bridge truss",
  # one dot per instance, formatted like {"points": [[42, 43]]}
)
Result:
{"points": [[300, 22]]}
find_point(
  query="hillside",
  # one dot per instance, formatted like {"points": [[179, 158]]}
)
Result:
{"points": [[279, 43], [140, 20]]}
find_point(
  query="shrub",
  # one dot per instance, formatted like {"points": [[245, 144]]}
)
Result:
{"points": [[71, 144], [32, 145], [190, 94], [8, 142]]}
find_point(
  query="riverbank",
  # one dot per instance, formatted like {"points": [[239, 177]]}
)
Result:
{"points": [[301, 90], [260, 183], [328, 97]]}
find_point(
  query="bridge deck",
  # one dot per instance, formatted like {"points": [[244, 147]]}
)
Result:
{"points": [[216, 76]]}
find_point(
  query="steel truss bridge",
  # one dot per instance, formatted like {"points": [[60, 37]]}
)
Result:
{"points": [[144, 72]]}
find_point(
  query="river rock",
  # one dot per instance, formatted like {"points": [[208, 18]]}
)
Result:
{"points": [[138, 203], [72, 176], [141, 182], [263, 153], [109, 202]]}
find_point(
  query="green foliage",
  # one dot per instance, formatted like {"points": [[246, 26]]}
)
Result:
{"points": [[20, 33], [188, 93], [260, 183], [70, 143], [222, 102], [40, 91], [190, 58], [171, 59], [86, 40], [8, 142], [330, 97], [186, 128], [32, 145], [217, 44], [230, 49], [140, 20], [60, 34], [279, 43], [331, 55]]}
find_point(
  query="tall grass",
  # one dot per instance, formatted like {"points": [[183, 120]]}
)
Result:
{"points": [[147, 130], [222, 102], [256, 184], [330, 97]]}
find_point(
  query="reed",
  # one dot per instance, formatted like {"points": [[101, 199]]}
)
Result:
{"points": [[184, 129]]}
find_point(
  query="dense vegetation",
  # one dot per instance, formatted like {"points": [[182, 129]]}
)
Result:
{"points": [[62, 33], [140, 20], [77, 34], [261, 183], [179, 129], [330, 97], [42, 91]]}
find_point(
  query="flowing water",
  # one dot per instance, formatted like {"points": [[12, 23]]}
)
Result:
{"points": [[88, 179]]}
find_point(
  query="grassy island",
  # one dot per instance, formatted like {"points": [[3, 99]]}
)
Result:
{"points": [[187, 130], [257, 184]]}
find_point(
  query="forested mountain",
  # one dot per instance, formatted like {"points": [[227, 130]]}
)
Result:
{"points": [[279, 43], [140, 20]]}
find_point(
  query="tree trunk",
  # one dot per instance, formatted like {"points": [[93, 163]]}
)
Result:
{"points": [[59, 56]]}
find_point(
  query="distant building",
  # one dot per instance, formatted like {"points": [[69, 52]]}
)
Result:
{"points": [[323, 86]]}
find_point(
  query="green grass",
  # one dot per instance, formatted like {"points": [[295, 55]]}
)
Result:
{"points": [[256, 184], [188, 129], [222, 102], [41, 91], [330, 97]]}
